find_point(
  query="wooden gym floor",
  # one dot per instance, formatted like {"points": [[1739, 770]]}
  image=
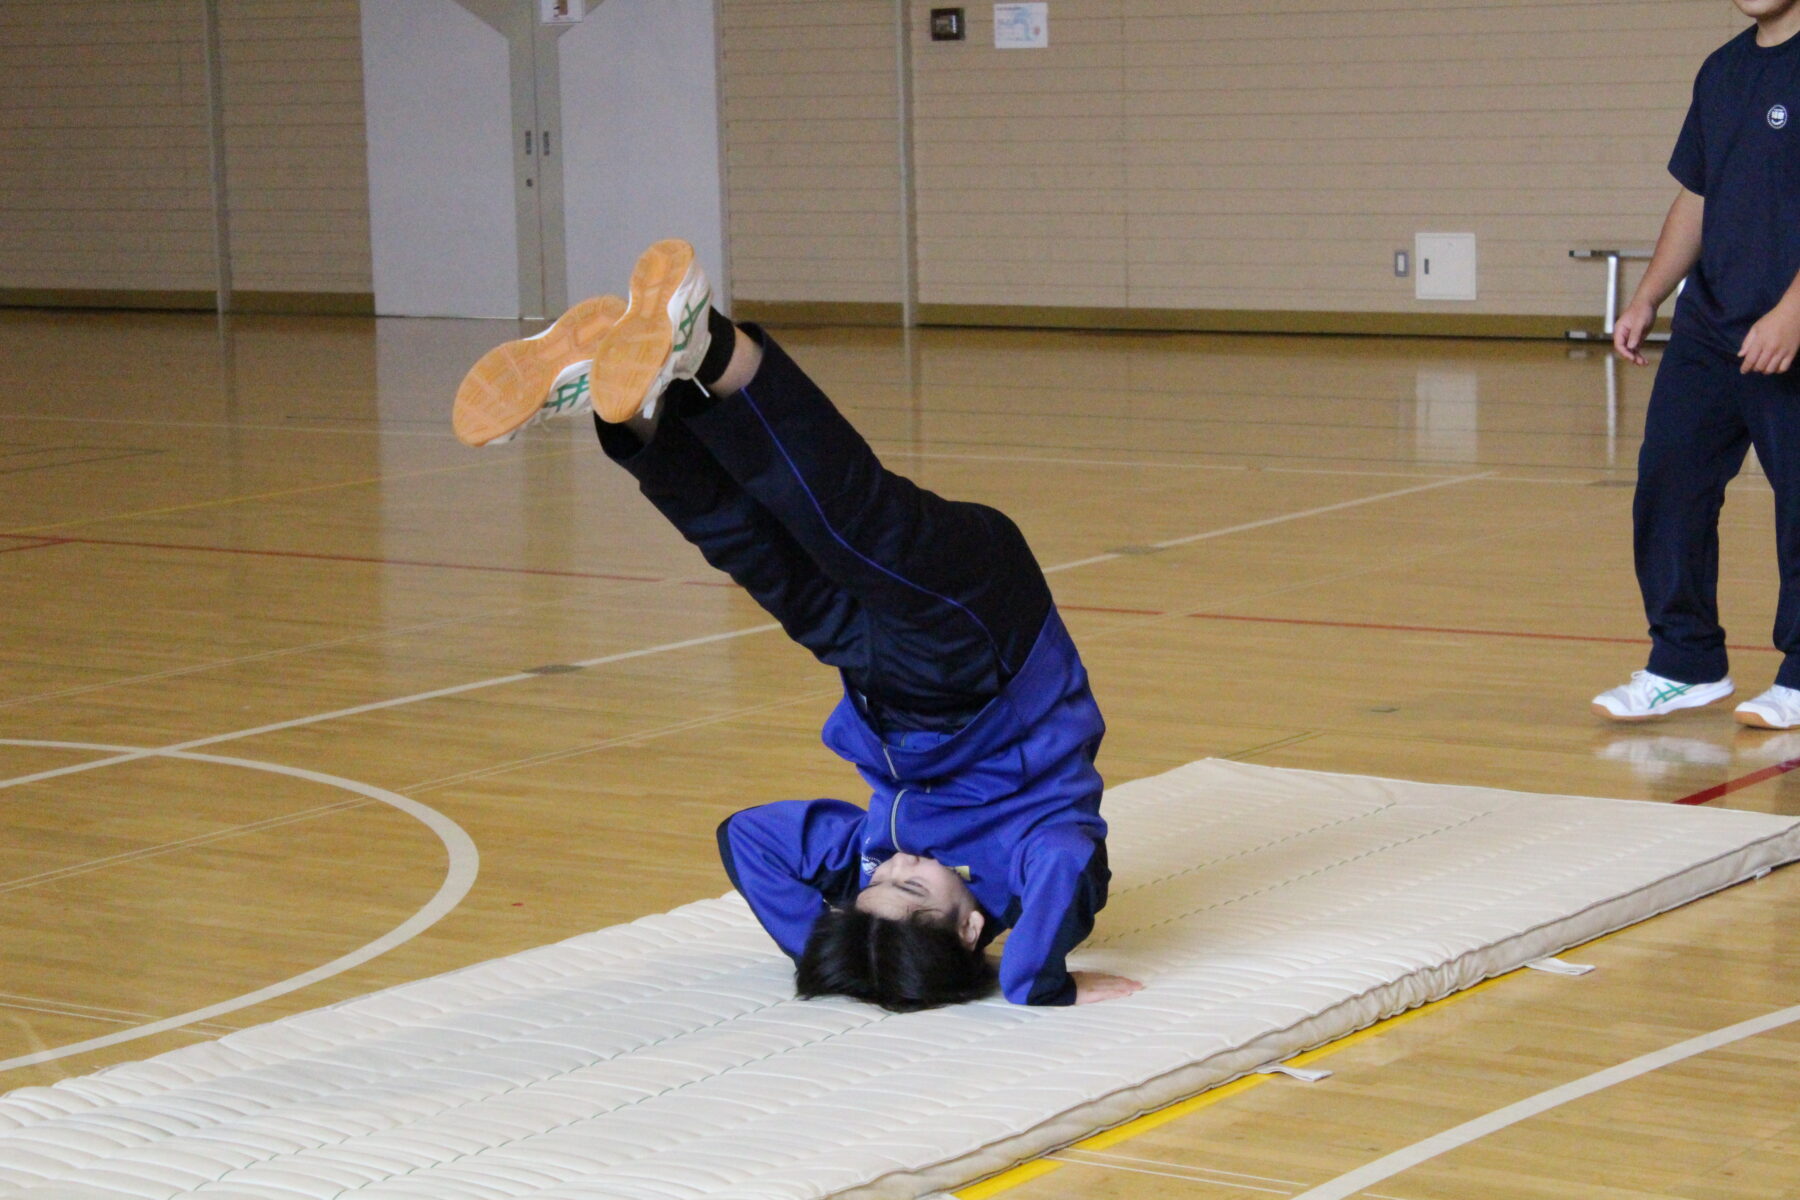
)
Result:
{"points": [[256, 544]]}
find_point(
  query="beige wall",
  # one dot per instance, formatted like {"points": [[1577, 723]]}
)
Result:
{"points": [[104, 167], [811, 121], [105, 158], [1162, 154], [296, 169], [1215, 154]]}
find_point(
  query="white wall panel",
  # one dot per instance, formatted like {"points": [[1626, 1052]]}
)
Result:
{"points": [[442, 224], [640, 119]]}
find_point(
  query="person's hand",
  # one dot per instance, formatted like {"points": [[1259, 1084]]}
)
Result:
{"points": [[1092, 985], [1629, 330], [1772, 342]]}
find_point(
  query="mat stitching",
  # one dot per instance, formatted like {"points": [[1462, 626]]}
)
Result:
{"points": [[1383, 848], [1213, 862]]}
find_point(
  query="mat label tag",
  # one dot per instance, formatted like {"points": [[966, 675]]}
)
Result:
{"points": [[1304, 1074], [1556, 966]]}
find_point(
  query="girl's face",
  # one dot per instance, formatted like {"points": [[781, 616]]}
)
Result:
{"points": [[907, 886]]}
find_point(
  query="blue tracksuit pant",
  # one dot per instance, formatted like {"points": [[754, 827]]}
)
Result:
{"points": [[928, 606], [1703, 418]]}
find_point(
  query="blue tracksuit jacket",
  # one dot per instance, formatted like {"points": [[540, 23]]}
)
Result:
{"points": [[1012, 799]]}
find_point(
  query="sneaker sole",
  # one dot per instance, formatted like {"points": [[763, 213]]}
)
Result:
{"points": [[1756, 720], [1607, 714], [630, 358], [507, 385]]}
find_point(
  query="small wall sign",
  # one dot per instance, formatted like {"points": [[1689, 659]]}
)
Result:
{"points": [[1021, 26]]}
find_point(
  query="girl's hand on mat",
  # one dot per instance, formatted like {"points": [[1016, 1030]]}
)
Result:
{"points": [[1092, 985], [1772, 342]]}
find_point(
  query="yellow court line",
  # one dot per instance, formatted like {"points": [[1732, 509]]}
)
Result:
{"points": [[299, 491], [1026, 1172]]}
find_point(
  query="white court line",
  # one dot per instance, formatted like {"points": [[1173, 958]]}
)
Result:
{"points": [[1267, 521], [66, 1009], [204, 1031], [374, 706], [219, 664], [1400, 1160], [459, 877]]}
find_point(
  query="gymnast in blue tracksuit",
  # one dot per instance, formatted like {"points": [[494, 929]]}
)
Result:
{"points": [[966, 707]]}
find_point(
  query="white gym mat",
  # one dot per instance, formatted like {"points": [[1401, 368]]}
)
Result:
{"points": [[1267, 911]]}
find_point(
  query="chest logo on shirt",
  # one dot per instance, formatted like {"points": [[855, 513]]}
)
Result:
{"points": [[1778, 116]]}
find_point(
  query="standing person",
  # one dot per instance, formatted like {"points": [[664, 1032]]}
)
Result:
{"points": [[966, 707], [1726, 381]]}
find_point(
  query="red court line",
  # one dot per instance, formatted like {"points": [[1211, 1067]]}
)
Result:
{"points": [[1705, 795], [38, 545]]}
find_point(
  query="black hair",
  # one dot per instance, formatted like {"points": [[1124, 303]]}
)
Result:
{"points": [[903, 966]]}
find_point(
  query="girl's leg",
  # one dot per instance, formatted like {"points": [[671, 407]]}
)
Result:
{"points": [[1694, 444], [953, 597], [738, 536]]}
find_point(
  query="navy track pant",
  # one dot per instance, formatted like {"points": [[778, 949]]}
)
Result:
{"points": [[1703, 418], [928, 606]]}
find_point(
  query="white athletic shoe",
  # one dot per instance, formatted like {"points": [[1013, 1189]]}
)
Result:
{"points": [[1777, 708], [662, 337], [1649, 696], [519, 384]]}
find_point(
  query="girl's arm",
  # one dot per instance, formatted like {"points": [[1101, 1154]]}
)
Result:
{"points": [[1061, 885], [790, 860]]}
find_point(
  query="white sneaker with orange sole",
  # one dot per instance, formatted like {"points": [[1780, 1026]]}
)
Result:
{"points": [[662, 337], [1649, 696], [520, 384], [1777, 708]]}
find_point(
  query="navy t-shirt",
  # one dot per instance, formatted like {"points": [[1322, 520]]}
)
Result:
{"points": [[1740, 150]]}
